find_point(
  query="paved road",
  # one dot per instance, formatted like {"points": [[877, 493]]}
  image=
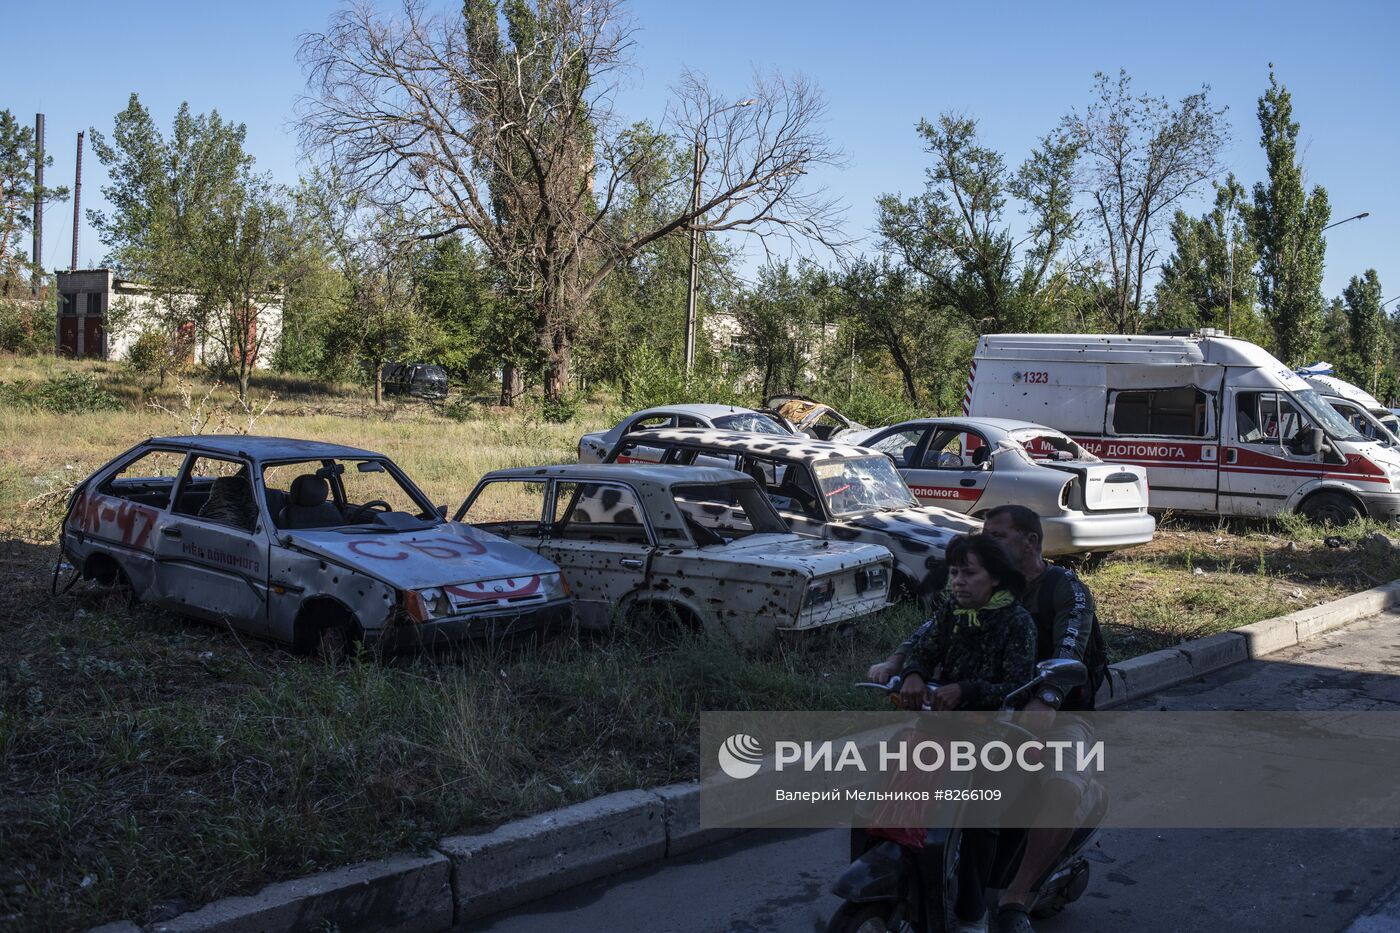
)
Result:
{"points": [[1144, 881]]}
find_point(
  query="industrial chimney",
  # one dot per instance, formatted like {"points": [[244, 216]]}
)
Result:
{"points": [[77, 201], [37, 255]]}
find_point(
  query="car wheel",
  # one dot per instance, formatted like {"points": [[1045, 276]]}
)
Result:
{"points": [[334, 643], [1330, 508]]}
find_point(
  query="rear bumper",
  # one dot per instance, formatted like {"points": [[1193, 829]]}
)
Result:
{"points": [[495, 624], [847, 610], [1077, 532]]}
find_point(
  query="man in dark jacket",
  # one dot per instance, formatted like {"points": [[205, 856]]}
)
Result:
{"points": [[1066, 627]]}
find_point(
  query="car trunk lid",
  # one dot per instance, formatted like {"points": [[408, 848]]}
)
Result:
{"points": [[1104, 487]]}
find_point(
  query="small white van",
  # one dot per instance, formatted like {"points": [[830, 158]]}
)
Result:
{"points": [[1222, 427]]}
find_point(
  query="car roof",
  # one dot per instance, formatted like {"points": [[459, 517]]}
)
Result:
{"points": [[994, 425], [706, 409], [259, 447], [637, 474], [790, 447]]}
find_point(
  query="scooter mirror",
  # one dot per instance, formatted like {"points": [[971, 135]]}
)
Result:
{"points": [[1063, 673]]}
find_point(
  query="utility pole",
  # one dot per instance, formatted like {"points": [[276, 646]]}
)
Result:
{"points": [[690, 315], [691, 318], [77, 200], [36, 255]]}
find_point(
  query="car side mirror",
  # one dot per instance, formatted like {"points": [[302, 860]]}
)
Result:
{"points": [[1062, 673], [442, 511]]}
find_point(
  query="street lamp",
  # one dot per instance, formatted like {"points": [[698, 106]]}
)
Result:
{"points": [[690, 315], [1359, 216]]}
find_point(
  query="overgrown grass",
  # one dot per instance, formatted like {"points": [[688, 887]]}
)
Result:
{"points": [[148, 764]]}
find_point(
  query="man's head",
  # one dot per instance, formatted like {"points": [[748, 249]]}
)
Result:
{"points": [[1017, 529]]}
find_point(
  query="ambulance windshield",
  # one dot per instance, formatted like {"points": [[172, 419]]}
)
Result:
{"points": [[1326, 417]]}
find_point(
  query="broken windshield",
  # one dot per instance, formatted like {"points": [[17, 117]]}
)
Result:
{"points": [[862, 484]]}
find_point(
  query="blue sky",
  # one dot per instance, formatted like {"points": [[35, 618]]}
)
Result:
{"points": [[1017, 66]]}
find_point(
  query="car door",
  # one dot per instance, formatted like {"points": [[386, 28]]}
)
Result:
{"points": [[211, 548], [1260, 469], [598, 533], [953, 466]]}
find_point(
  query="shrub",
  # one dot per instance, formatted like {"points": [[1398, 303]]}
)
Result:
{"points": [[73, 394]]}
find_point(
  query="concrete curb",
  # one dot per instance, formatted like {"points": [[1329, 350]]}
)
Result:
{"points": [[1142, 676], [468, 876], [402, 893], [475, 875]]}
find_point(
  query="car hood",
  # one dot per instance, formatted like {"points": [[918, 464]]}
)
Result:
{"points": [[926, 523], [790, 551], [444, 554]]}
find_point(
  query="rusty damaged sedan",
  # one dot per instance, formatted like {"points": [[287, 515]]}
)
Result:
{"points": [[314, 545]]}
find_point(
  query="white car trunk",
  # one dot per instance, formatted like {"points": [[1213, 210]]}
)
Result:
{"points": [[1104, 487]]}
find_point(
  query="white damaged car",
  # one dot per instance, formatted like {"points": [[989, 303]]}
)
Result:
{"points": [[310, 544], [699, 544], [972, 465]]}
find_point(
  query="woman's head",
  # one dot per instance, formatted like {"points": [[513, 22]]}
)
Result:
{"points": [[977, 568]]}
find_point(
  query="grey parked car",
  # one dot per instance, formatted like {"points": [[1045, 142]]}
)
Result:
{"points": [[311, 544], [592, 448]]}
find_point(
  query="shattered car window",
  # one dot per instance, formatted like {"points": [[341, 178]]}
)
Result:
{"points": [[149, 479], [598, 512], [509, 507], [331, 492], [716, 514], [862, 484], [1052, 445], [751, 421]]}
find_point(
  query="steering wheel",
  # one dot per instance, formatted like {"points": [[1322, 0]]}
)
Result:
{"points": [[359, 510]]}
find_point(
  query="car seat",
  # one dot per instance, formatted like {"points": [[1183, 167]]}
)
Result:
{"points": [[307, 506], [230, 502]]}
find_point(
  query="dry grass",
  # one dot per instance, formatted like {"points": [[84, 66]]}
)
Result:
{"points": [[148, 763]]}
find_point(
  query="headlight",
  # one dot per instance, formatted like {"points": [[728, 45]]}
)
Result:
{"points": [[819, 592], [555, 585], [872, 578], [426, 605]]}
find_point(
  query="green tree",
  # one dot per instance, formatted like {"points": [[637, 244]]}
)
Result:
{"points": [[778, 323], [17, 181], [374, 313], [1287, 224], [456, 294], [955, 235], [1369, 328], [191, 221], [1208, 281], [1141, 156], [501, 123]]}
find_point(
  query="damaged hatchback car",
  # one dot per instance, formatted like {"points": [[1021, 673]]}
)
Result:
{"points": [[827, 489], [310, 544], [972, 465], [699, 544]]}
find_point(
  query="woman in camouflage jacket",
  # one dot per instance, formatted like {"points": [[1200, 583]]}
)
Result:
{"points": [[980, 644]]}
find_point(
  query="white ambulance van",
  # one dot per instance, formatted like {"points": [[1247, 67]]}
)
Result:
{"points": [[1365, 412], [1222, 427]]}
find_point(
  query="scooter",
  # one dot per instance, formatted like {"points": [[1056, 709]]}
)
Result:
{"points": [[895, 884]]}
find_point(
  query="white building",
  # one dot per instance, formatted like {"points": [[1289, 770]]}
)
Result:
{"points": [[100, 316]]}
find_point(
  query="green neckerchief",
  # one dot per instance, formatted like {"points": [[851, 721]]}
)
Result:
{"points": [[1000, 600]]}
